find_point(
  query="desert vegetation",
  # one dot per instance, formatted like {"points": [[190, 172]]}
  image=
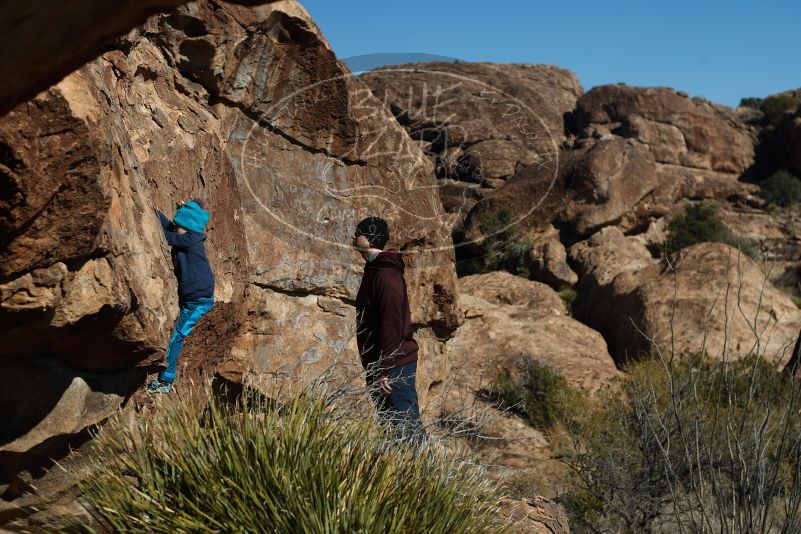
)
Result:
{"points": [[534, 391], [504, 249], [700, 223], [781, 189], [771, 107], [689, 444], [303, 466]]}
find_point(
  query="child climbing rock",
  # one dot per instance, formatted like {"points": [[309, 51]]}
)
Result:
{"points": [[185, 234]]}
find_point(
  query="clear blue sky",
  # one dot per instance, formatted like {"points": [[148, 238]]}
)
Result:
{"points": [[721, 50]]}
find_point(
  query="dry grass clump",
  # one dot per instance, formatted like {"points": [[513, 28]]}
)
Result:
{"points": [[303, 466]]}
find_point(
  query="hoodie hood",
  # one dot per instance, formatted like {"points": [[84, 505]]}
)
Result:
{"points": [[390, 258]]}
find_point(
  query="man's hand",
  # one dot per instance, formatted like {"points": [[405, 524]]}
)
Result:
{"points": [[383, 383]]}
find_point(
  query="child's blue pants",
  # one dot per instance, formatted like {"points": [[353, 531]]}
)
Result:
{"points": [[191, 312]]}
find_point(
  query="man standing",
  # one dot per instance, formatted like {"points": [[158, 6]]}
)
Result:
{"points": [[384, 330]]}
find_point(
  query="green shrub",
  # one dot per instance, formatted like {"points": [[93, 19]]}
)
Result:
{"points": [[750, 102], [504, 250], [773, 107], [745, 246], [692, 445], [700, 223], [782, 189], [305, 467], [535, 391], [568, 295]]}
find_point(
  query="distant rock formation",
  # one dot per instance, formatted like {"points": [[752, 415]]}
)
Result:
{"points": [[614, 156], [479, 122], [714, 300], [676, 129]]}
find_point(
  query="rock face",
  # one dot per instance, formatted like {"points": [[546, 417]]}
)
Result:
{"points": [[546, 259], [610, 178], [82, 400], [502, 288], [44, 45], [535, 516], [607, 254], [508, 319], [249, 109], [677, 130], [608, 183], [479, 122], [633, 155], [620, 175], [718, 301], [495, 116]]}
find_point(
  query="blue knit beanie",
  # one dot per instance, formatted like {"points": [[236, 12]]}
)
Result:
{"points": [[192, 216]]}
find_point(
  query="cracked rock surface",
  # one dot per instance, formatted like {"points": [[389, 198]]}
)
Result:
{"points": [[249, 109]]}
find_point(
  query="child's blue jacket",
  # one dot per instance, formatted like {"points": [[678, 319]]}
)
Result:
{"points": [[195, 279]]}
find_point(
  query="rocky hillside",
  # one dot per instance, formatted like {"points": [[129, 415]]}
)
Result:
{"points": [[479, 122], [576, 191], [245, 105], [588, 209]]}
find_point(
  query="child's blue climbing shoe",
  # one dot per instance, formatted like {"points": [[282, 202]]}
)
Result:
{"points": [[159, 387]]}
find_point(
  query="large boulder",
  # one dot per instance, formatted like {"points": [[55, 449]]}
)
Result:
{"points": [[712, 299], [479, 122], [500, 287], [249, 109], [498, 115], [678, 130], [535, 515], [546, 258], [43, 44], [510, 319], [610, 182], [605, 255]]}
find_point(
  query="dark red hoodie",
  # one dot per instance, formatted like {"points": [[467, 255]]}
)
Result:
{"points": [[383, 318]]}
